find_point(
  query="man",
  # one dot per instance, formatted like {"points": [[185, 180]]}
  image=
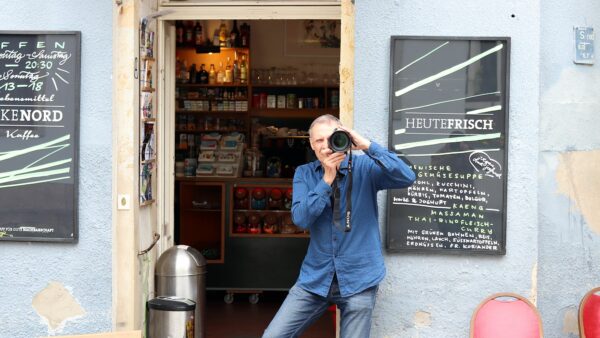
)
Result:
{"points": [[340, 267]]}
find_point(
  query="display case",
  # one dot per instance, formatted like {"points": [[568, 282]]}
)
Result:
{"points": [[262, 211]]}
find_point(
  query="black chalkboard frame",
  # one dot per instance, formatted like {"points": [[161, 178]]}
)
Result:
{"points": [[506, 79], [74, 227]]}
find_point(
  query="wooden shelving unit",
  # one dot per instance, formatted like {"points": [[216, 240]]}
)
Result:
{"points": [[215, 227], [203, 228]]}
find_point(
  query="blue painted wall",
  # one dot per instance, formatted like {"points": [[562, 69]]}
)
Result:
{"points": [[83, 268], [432, 295], [569, 142], [552, 251]]}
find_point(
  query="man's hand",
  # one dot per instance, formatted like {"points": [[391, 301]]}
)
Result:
{"points": [[358, 141], [331, 164]]}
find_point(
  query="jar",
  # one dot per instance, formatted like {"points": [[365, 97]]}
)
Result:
{"points": [[334, 99], [291, 101], [263, 100]]}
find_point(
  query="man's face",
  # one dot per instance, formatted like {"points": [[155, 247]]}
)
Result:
{"points": [[319, 135]]}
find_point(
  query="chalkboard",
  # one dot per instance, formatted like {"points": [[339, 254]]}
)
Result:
{"points": [[449, 121], [39, 135]]}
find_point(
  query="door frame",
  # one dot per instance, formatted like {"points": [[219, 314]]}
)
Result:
{"points": [[127, 312]]}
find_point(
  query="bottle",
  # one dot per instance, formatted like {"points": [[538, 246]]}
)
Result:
{"points": [[203, 75], [234, 36], [215, 40], [212, 76], [235, 70], [198, 35], [223, 35], [220, 73], [245, 35], [177, 70], [243, 70], [179, 32], [185, 74], [228, 72], [189, 34], [193, 72]]}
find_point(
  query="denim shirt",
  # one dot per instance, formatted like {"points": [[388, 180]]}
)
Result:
{"points": [[355, 257]]}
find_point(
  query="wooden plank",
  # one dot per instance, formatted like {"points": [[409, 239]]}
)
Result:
{"points": [[123, 334], [126, 294]]}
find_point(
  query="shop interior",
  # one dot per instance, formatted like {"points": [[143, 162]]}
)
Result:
{"points": [[246, 92]]}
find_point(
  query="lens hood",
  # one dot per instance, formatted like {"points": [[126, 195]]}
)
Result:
{"points": [[340, 141]]}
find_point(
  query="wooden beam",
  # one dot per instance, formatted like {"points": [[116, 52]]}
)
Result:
{"points": [[347, 64], [126, 294]]}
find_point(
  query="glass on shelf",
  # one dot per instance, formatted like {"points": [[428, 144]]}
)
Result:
{"points": [[311, 75]]}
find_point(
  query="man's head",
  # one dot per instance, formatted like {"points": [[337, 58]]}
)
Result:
{"points": [[320, 130]]}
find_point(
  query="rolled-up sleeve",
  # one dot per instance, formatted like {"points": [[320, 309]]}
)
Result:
{"points": [[308, 201]]}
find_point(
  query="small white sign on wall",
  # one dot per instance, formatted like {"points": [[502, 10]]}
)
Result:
{"points": [[584, 45]]}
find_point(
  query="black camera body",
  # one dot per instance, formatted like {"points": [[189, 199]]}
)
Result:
{"points": [[340, 141]]}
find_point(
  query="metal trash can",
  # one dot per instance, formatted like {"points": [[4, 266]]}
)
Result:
{"points": [[170, 317], [181, 272]]}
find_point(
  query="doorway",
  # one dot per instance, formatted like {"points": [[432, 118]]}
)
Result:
{"points": [[214, 203]]}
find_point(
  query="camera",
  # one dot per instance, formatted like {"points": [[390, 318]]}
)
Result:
{"points": [[340, 141]]}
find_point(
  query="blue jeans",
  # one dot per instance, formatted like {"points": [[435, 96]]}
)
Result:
{"points": [[302, 308]]}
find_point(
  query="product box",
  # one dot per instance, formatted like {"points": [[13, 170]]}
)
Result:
{"points": [[271, 101], [281, 101]]}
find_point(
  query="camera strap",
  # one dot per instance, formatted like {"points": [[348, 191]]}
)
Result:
{"points": [[337, 213], [348, 226]]}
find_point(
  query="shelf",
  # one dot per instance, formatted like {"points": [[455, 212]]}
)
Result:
{"points": [[215, 261], [270, 235], [148, 119], [295, 86], [291, 113], [201, 85], [208, 131], [151, 160], [288, 137], [209, 112], [237, 180], [235, 49], [202, 210], [148, 202], [223, 49], [148, 90], [213, 99], [264, 210], [148, 58]]}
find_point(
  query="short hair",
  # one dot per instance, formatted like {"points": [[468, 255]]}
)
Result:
{"points": [[327, 118]]}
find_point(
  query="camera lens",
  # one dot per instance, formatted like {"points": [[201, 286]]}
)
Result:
{"points": [[340, 141]]}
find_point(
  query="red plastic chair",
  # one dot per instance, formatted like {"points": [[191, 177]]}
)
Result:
{"points": [[503, 315], [589, 314]]}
